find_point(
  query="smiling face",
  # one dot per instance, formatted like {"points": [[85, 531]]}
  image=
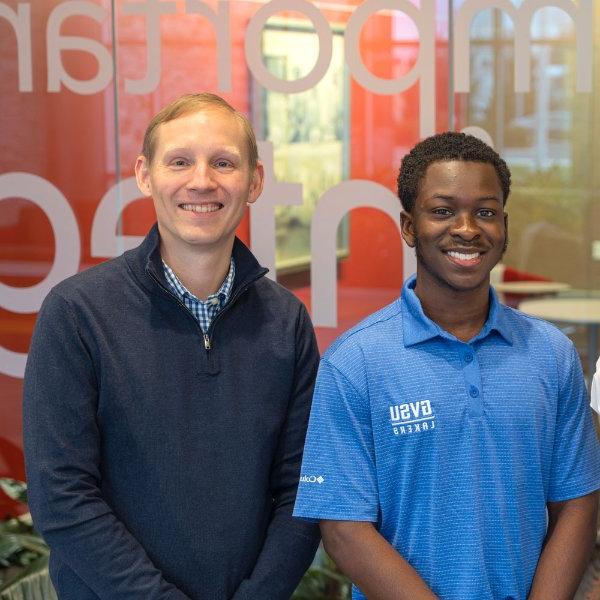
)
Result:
{"points": [[200, 180], [458, 227]]}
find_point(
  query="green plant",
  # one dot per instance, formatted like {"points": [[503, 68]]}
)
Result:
{"points": [[323, 581], [23, 553], [17, 490]]}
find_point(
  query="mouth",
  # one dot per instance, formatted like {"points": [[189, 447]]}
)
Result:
{"points": [[205, 207], [464, 258]]}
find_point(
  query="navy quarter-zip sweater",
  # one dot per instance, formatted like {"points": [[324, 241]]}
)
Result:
{"points": [[158, 468]]}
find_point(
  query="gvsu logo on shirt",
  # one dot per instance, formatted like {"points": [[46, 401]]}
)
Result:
{"points": [[412, 417]]}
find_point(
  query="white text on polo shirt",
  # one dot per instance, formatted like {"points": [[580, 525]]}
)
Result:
{"points": [[412, 417], [312, 479]]}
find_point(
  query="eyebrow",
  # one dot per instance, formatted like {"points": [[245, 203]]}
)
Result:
{"points": [[171, 150], [232, 151], [453, 198]]}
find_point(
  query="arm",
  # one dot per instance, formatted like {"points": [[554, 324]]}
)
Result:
{"points": [[371, 562], [567, 548], [572, 502], [62, 447], [290, 544]]}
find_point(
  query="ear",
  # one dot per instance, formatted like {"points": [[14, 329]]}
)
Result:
{"points": [[257, 183], [142, 175], [408, 229]]}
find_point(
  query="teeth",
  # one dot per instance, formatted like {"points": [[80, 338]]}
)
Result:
{"points": [[201, 208], [463, 256]]}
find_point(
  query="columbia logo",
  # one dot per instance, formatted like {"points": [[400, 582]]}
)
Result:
{"points": [[312, 479]]}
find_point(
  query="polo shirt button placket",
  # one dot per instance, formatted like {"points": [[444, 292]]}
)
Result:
{"points": [[472, 381]]}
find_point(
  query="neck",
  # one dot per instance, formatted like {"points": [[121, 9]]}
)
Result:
{"points": [[202, 273], [459, 312]]}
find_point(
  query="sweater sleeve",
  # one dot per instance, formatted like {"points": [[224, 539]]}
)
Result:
{"points": [[290, 544], [62, 448]]}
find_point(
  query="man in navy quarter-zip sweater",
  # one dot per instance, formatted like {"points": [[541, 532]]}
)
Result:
{"points": [[167, 392]]}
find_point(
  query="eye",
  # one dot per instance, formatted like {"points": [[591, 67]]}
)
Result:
{"points": [[486, 213], [222, 163], [441, 211], [179, 163]]}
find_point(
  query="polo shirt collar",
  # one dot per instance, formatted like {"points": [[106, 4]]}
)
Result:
{"points": [[418, 327]]}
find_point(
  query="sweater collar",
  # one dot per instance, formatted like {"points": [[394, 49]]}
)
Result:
{"points": [[146, 263]]}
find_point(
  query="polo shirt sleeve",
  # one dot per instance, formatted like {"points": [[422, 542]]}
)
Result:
{"points": [[576, 452], [338, 478]]}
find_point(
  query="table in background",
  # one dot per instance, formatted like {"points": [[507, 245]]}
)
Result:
{"points": [[577, 311], [530, 288], [513, 293]]}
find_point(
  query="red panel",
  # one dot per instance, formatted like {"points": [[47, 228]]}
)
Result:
{"points": [[69, 140]]}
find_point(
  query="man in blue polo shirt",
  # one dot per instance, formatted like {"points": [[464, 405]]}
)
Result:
{"points": [[451, 452]]}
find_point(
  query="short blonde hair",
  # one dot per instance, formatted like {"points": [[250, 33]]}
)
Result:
{"points": [[189, 103]]}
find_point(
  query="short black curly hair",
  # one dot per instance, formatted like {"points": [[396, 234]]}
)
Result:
{"points": [[450, 145]]}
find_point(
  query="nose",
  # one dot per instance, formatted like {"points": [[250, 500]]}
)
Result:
{"points": [[464, 225], [201, 178]]}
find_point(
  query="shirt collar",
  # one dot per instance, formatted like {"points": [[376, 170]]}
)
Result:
{"points": [[418, 327], [222, 294]]}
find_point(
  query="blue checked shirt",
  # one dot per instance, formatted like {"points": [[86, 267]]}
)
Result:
{"points": [[204, 311]]}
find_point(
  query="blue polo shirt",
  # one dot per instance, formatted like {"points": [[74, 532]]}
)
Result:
{"points": [[452, 449]]}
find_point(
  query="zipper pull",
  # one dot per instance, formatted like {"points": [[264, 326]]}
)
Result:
{"points": [[206, 341]]}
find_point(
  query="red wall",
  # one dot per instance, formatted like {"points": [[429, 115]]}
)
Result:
{"points": [[67, 139]]}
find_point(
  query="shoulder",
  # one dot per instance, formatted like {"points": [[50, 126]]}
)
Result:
{"points": [[271, 288], [100, 274], [77, 303], [279, 298], [372, 333], [536, 332], [102, 283], [543, 344]]}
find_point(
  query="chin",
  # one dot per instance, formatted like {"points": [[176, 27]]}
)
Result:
{"points": [[197, 235], [467, 286], [200, 241]]}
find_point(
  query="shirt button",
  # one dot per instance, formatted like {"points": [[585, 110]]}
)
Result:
{"points": [[468, 357], [214, 301], [473, 392]]}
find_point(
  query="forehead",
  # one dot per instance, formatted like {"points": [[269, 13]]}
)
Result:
{"points": [[206, 127], [453, 177]]}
